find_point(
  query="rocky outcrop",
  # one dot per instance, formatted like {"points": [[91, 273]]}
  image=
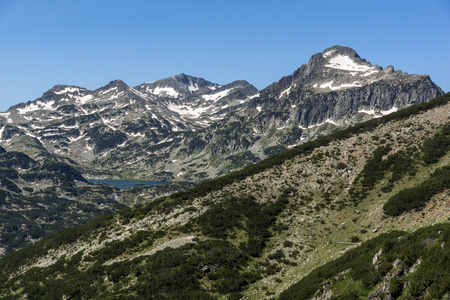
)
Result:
{"points": [[336, 85]]}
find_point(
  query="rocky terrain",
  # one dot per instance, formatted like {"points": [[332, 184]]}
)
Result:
{"points": [[358, 202], [44, 194], [185, 128]]}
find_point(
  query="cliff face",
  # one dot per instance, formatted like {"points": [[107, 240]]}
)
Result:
{"points": [[337, 84]]}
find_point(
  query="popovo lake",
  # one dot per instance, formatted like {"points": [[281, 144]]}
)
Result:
{"points": [[124, 184]]}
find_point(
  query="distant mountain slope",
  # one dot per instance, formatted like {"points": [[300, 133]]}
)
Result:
{"points": [[43, 195], [185, 128], [257, 232]]}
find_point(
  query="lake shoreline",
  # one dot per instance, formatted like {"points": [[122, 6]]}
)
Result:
{"points": [[124, 184]]}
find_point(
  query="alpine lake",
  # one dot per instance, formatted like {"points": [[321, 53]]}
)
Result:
{"points": [[125, 184]]}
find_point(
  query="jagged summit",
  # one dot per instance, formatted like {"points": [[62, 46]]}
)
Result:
{"points": [[192, 81], [115, 83], [338, 68], [319, 60], [180, 85], [341, 50], [64, 89], [346, 59]]}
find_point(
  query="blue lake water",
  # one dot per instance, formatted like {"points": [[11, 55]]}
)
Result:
{"points": [[123, 184]]}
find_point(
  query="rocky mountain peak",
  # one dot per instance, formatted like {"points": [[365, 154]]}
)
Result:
{"points": [[194, 83], [178, 86], [340, 50], [330, 55], [336, 68], [63, 93], [343, 65], [60, 89], [115, 84]]}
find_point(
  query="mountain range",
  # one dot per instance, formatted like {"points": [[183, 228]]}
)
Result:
{"points": [[185, 128]]}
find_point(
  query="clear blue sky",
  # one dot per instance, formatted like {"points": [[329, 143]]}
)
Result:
{"points": [[89, 43]]}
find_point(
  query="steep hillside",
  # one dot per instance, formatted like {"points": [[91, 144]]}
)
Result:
{"points": [[395, 265], [185, 128], [257, 232]]}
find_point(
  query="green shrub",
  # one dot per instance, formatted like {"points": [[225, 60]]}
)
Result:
{"points": [[417, 197], [354, 239], [436, 147], [395, 287]]}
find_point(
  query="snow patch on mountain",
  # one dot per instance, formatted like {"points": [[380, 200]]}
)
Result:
{"points": [[36, 126], [315, 125], [37, 106], [327, 121], [328, 53], [330, 86], [6, 116], [167, 91], [216, 96], [368, 73], [286, 92], [389, 111], [68, 127], [326, 85], [84, 99], [372, 112], [72, 140], [343, 62], [136, 135], [108, 90], [186, 111], [66, 90], [193, 87], [330, 121], [346, 85]]}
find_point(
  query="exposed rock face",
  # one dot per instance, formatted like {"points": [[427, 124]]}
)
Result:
{"points": [[337, 84], [187, 128]]}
